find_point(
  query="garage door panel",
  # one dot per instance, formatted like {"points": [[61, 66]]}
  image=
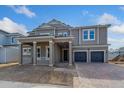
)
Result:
{"points": [[97, 56], [80, 57]]}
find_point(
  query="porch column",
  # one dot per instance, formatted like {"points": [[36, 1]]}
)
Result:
{"points": [[51, 53], [70, 53], [20, 53], [34, 53]]}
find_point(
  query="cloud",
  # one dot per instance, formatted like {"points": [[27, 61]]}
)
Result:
{"points": [[108, 19], [117, 28], [10, 26], [117, 25], [23, 10]]}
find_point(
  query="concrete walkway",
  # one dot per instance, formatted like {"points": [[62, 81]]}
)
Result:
{"points": [[11, 84], [100, 75]]}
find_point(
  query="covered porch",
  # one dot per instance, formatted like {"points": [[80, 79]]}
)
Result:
{"points": [[45, 51]]}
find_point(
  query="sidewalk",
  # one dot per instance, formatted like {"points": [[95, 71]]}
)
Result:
{"points": [[11, 84]]}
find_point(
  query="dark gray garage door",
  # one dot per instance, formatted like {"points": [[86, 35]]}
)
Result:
{"points": [[80, 57], [97, 56]]}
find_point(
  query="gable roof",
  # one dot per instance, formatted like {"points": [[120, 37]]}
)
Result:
{"points": [[10, 34], [52, 24], [3, 32]]}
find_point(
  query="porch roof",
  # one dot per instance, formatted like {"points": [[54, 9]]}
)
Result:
{"points": [[45, 39]]}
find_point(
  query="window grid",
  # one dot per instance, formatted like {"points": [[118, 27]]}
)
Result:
{"points": [[88, 34]]}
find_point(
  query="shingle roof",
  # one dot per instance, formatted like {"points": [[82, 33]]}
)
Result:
{"points": [[52, 24]]}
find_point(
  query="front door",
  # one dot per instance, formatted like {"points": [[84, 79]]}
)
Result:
{"points": [[65, 55]]}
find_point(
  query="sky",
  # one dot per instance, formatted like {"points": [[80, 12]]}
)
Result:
{"points": [[23, 19]]}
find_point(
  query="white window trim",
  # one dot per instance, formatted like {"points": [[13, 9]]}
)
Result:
{"points": [[88, 34], [47, 58], [27, 53]]}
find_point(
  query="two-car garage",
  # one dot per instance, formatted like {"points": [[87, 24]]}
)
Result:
{"points": [[91, 56]]}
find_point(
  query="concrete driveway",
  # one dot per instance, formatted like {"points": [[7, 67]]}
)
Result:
{"points": [[100, 75]]}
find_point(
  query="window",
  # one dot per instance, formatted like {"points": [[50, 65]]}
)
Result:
{"points": [[65, 34], [47, 52], [86, 34], [92, 34], [13, 40], [89, 34], [44, 34], [59, 34], [26, 51], [38, 52]]}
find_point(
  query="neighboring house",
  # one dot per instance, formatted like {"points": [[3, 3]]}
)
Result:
{"points": [[8, 47], [55, 42], [115, 53]]}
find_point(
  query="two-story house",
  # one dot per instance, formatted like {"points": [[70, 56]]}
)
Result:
{"points": [[55, 42], [8, 46]]}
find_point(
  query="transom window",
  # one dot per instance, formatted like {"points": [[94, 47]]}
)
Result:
{"points": [[89, 34]]}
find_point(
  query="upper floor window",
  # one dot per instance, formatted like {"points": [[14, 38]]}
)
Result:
{"points": [[92, 34], [59, 34], [85, 35], [89, 34], [65, 33], [13, 40], [44, 34]]}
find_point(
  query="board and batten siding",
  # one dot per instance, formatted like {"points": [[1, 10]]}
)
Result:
{"points": [[100, 36]]}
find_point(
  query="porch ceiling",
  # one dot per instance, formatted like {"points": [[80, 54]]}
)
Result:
{"points": [[63, 45]]}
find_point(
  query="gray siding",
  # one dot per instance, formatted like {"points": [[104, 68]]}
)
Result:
{"points": [[27, 60], [100, 37], [103, 35], [75, 33]]}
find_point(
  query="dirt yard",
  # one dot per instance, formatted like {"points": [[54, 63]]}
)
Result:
{"points": [[36, 74]]}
